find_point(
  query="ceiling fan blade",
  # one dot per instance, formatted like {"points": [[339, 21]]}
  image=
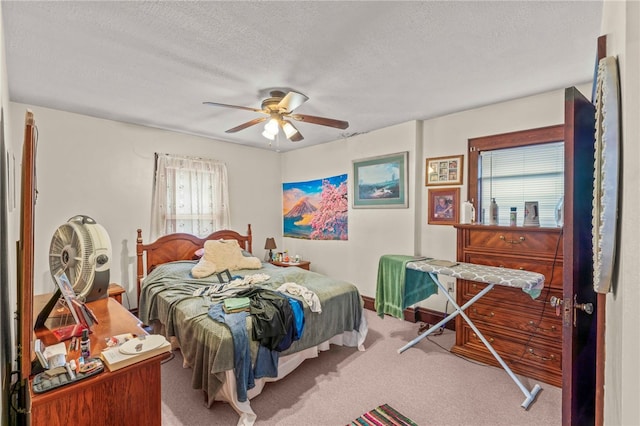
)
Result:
{"points": [[296, 138], [235, 106], [292, 101], [330, 122], [247, 124]]}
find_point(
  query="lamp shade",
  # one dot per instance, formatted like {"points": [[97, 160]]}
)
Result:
{"points": [[270, 244]]}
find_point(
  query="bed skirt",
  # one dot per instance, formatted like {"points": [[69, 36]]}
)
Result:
{"points": [[286, 364]]}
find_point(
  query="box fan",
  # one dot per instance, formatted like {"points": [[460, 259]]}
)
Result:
{"points": [[81, 250]]}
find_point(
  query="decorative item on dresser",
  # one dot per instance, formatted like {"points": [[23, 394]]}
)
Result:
{"points": [[527, 334]]}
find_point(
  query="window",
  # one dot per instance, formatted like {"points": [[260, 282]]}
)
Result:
{"points": [[515, 168], [190, 195]]}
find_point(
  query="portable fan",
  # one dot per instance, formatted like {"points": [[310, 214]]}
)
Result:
{"points": [[81, 248]]}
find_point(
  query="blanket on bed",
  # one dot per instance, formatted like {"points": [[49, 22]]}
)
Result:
{"points": [[167, 296], [398, 287]]}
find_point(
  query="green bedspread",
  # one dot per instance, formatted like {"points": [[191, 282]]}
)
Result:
{"points": [[207, 346], [398, 287]]}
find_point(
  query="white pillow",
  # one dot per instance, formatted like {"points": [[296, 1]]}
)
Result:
{"points": [[220, 255]]}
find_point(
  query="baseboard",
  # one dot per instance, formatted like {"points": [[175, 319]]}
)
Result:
{"points": [[417, 314]]}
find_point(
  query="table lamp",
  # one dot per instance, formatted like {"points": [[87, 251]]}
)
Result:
{"points": [[270, 244]]}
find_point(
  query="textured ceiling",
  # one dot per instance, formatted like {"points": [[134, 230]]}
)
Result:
{"points": [[373, 64]]}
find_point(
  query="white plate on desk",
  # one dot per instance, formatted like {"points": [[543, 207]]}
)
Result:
{"points": [[146, 344]]}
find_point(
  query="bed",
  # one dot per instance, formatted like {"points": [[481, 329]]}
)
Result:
{"points": [[177, 305]]}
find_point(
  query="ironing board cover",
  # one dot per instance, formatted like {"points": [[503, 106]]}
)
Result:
{"points": [[530, 282]]}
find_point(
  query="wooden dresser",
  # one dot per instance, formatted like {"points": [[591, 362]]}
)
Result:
{"points": [[526, 333], [129, 396]]}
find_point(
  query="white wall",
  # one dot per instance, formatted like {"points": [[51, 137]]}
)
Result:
{"points": [[104, 169], [621, 24], [372, 232]]}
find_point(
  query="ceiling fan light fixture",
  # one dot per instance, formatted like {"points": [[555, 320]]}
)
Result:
{"points": [[289, 130], [272, 126], [268, 135]]}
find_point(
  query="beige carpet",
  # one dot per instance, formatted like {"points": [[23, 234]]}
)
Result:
{"points": [[426, 383]]}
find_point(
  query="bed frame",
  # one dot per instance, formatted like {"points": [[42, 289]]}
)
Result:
{"points": [[179, 246]]}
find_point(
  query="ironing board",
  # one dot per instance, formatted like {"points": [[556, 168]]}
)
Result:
{"points": [[529, 282]]}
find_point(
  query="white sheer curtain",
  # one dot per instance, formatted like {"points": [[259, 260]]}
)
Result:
{"points": [[190, 195]]}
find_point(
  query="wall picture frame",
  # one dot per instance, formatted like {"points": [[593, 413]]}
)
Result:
{"points": [[381, 182], [444, 206], [444, 170]]}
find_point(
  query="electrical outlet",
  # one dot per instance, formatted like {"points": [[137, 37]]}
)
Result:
{"points": [[450, 286]]}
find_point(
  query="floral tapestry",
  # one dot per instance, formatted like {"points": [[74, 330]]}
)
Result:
{"points": [[316, 209]]}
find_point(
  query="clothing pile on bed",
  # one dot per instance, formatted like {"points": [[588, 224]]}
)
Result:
{"points": [[278, 321]]}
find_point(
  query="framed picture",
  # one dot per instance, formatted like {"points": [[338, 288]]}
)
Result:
{"points": [[444, 206], [531, 216], [380, 182], [444, 170]]}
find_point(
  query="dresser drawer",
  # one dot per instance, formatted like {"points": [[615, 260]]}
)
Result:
{"points": [[551, 270], [531, 358], [509, 297], [514, 240], [530, 323]]}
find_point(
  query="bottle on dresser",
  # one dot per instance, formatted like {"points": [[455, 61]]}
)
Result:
{"points": [[493, 212]]}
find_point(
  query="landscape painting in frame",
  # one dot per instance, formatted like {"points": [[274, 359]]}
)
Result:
{"points": [[380, 182], [316, 209]]}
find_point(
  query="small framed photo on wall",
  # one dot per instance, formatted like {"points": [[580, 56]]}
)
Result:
{"points": [[444, 170], [444, 206]]}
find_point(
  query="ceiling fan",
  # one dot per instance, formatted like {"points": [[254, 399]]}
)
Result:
{"points": [[278, 110]]}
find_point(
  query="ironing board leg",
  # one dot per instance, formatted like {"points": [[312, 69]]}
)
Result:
{"points": [[459, 310], [450, 316]]}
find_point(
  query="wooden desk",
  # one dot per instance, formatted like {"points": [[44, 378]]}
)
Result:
{"points": [[130, 395]]}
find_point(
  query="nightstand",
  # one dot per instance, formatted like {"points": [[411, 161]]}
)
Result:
{"points": [[116, 291], [304, 264]]}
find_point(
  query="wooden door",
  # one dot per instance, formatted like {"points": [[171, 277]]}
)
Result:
{"points": [[579, 327]]}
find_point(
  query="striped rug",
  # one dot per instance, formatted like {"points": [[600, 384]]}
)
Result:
{"points": [[383, 415]]}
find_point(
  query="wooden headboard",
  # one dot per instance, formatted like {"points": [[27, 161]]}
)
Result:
{"points": [[180, 246]]}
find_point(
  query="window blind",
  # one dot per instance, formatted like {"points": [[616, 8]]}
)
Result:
{"points": [[514, 176]]}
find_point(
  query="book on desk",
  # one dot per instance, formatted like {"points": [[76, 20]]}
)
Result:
{"points": [[134, 350]]}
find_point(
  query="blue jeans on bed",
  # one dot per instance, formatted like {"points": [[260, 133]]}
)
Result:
{"points": [[237, 323]]}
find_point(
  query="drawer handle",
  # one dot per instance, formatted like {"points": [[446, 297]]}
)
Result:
{"points": [[518, 241], [533, 324], [490, 315], [490, 339], [552, 357]]}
